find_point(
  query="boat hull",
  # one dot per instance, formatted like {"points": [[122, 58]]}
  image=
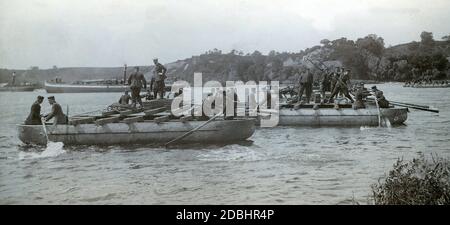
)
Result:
{"points": [[69, 88], [341, 117], [218, 131], [17, 89], [428, 86]]}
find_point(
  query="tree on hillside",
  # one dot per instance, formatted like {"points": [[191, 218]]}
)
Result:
{"points": [[325, 42], [446, 38], [427, 38], [273, 53], [372, 43]]}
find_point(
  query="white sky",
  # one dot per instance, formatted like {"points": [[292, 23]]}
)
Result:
{"points": [[72, 33]]}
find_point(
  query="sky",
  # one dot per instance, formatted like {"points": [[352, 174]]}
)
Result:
{"points": [[109, 33]]}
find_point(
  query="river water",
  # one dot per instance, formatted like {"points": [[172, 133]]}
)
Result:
{"points": [[282, 165]]}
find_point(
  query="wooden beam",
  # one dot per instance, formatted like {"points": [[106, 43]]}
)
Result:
{"points": [[81, 120], [126, 112], [186, 118], [133, 119], [152, 112], [162, 119], [112, 119], [109, 113]]}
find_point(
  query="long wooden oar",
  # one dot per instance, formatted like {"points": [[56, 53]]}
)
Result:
{"points": [[45, 128], [379, 111], [193, 130], [429, 109], [405, 103], [415, 107]]}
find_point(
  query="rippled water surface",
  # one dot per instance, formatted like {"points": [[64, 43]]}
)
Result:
{"points": [[283, 165]]}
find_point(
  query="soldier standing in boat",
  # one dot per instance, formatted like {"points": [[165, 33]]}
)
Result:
{"points": [[125, 99], [57, 112], [382, 101], [360, 94], [34, 118], [333, 79], [136, 81], [325, 84], [157, 83], [342, 86], [305, 85]]}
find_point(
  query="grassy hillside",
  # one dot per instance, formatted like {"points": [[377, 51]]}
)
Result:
{"points": [[367, 57]]}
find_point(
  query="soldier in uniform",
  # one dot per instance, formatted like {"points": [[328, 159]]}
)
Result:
{"points": [[342, 86], [57, 112], [360, 94], [125, 99], [13, 79], [157, 82], [325, 83], [382, 101], [34, 118], [136, 81], [305, 85], [333, 79]]}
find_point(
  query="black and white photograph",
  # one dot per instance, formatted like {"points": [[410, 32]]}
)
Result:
{"points": [[222, 103]]}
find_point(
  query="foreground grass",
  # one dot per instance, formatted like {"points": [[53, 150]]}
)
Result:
{"points": [[421, 181]]}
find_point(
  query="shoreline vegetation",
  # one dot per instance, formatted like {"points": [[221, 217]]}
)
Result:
{"points": [[368, 58], [420, 181]]}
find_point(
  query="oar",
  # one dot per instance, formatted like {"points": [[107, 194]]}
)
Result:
{"points": [[193, 130], [415, 107], [405, 103], [411, 106], [45, 128], [379, 111]]}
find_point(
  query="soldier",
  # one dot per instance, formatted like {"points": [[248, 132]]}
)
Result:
{"points": [[325, 84], [334, 76], [34, 118], [56, 112], [305, 84], [382, 101], [157, 82], [136, 81], [360, 94], [13, 79], [125, 99], [342, 86]]}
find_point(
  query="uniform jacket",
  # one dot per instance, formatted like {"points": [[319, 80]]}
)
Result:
{"points": [[159, 68], [306, 77], [125, 99], [35, 115], [58, 114], [137, 80]]}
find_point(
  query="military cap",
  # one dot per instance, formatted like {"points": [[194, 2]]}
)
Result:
{"points": [[40, 97], [51, 97], [374, 87]]}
